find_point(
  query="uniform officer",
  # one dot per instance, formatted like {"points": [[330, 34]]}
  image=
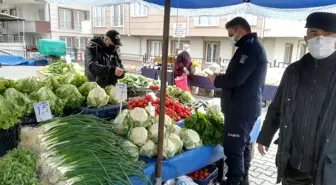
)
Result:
{"points": [[241, 100]]}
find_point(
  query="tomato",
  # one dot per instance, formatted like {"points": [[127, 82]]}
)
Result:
{"points": [[206, 174], [140, 104], [130, 107]]}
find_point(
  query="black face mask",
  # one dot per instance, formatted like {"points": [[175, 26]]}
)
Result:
{"points": [[111, 49]]}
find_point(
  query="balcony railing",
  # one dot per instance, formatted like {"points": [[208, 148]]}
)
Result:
{"points": [[11, 39]]}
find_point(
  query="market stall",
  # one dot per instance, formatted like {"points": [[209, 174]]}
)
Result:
{"points": [[84, 149]]}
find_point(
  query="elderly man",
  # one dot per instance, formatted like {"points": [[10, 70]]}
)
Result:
{"points": [[241, 99], [304, 110], [102, 59]]}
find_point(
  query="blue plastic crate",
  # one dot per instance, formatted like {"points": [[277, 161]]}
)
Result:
{"points": [[211, 179]]}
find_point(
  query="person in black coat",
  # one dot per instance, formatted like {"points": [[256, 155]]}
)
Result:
{"points": [[241, 100], [102, 59], [304, 110]]}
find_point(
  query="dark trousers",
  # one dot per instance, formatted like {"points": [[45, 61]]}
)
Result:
{"points": [[295, 177], [237, 147]]}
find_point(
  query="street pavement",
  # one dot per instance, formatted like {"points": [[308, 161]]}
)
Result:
{"points": [[262, 172]]}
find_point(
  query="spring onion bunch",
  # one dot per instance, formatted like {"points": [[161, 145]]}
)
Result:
{"points": [[85, 151]]}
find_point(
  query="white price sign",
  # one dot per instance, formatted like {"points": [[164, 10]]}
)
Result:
{"points": [[179, 30], [42, 111], [121, 91]]}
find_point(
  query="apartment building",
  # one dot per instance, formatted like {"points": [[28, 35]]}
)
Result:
{"points": [[44, 21], [142, 27]]}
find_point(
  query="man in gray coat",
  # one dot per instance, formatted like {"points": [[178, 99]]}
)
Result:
{"points": [[304, 109]]}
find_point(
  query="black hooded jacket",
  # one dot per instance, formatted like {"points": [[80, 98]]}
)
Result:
{"points": [[101, 62]]}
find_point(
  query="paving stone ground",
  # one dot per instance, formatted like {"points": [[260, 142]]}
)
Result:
{"points": [[263, 170]]}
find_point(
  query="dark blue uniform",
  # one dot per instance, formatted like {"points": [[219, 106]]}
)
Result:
{"points": [[241, 101]]}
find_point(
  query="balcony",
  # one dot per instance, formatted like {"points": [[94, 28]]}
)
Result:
{"points": [[29, 27]]}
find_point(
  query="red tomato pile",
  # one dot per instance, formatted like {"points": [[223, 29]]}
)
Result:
{"points": [[200, 174], [174, 109], [154, 87]]}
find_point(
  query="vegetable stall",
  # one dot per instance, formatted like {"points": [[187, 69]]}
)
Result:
{"points": [[77, 149], [80, 135]]}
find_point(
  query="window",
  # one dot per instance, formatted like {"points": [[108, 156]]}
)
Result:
{"points": [[212, 52], [86, 15], [12, 12], [176, 46], [302, 50], [98, 16], [251, 19], [78, 18], [117, 15], [67, 40], [288, 53], [41, 15], [82, 43], [65, 18], [155, 48], [76, 43], [206, 21], [138, 10]]}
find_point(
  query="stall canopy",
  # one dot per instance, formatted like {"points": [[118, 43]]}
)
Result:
{"points": [[279, 9]]}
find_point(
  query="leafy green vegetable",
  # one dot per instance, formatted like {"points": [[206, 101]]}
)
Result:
{"points": [[209, 126], [71, 94], [5, 83], [136, 81], [184, 97], [21, 100], [97, 98], [9, 113], [52, 82], [78, 79], [45, 94], [19, 167], [87, 87], [28, 85], [57, 67]]}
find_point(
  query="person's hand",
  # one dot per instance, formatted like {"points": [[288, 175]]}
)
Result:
{"points": [[212, 77], [119, 71], [186, 70], [262, 149]]}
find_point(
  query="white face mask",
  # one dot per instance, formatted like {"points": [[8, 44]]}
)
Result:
{"points": [[321, 47], [232, 39]]}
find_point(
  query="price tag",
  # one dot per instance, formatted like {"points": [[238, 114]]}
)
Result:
{"points": [[121, 91], [42, 111]]}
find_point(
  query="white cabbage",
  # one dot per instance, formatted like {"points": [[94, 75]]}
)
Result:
{"points": [[97, 98], [169, 148], [138, 135], [139, 117], [190, 139], [149, 149], [177, 142], [132, 149]]}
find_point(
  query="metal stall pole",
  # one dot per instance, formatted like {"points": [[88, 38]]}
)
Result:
{"points": [[166, 23]]}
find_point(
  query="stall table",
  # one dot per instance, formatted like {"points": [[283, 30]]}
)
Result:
{"points": [[204, 82], [188, 161]]}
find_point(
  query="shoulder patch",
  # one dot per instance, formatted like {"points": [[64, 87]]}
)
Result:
{"points": [[243, 59]]}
